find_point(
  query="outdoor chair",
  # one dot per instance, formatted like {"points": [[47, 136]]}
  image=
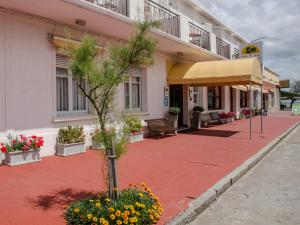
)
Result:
{"points": [[210, 119]]}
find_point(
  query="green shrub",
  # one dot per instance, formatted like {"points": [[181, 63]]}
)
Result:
{"points": [[133, 125], [174, 111], [198, 108], [70, 135], [135, 205]]}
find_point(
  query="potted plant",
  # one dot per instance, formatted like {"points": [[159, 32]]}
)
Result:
{"points": [[196, 119], [70, 141], [134, 129], [22, 149], [231, 116], [173, 116]]}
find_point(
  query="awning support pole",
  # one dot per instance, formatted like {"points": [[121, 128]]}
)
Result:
{"points": [[261, 108], [250, 110]]}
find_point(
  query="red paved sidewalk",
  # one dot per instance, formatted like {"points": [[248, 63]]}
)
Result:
{"points": [[176, 168]]}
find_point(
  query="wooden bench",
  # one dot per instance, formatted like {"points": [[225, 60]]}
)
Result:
{"points": [[160, 127], [211, 118]]}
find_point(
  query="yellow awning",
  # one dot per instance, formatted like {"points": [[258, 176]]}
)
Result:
{"points": [[217, 73]]}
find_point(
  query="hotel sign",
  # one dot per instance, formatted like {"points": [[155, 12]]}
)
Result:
{"points": [[254, 49]]}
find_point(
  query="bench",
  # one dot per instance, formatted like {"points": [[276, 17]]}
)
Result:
{"points": [[211, 118], [160, 127]]}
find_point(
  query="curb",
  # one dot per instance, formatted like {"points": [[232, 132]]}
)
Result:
{"points": [[198, 205]]}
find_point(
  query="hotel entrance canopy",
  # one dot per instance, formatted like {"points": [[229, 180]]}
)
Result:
{"points": [[217, 73], [239, 72]]}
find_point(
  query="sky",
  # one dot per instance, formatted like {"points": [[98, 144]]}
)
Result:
{"points": [[277, 20]]}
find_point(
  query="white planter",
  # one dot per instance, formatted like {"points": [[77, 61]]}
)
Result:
{"points": [[22, 157], [174, 120], [136, 137], [70, 149]]}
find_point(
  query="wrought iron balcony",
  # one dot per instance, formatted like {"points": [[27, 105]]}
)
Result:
{"points": [[169, 21], [199, 36], [236, 53], [223, 48], [118, 6]]}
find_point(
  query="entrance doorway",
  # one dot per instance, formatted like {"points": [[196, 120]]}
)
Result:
{"points": [[176, 100]]}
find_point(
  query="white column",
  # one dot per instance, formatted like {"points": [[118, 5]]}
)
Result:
{"points": [[136, 9], [184, 28], [213, 42]]}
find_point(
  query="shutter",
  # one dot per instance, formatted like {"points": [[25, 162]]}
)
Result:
{"points": [[62, 61]]}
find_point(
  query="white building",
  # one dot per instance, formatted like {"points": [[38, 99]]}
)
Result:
{"points": [[38, 96]]}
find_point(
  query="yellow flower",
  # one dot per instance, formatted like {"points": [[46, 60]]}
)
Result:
{"points": [[98, 204], [105, 223], [125, 222], [143, 184], [119, 222], [101, 220], [142, 206], [131, 220], [127, 213], [107, 200], [137, 204], [141, 195], [137, 213], [95, 219], [76, 210], [151, 217], [111, 209], [118, 213], [154, 207], [91, 200], [112, 216], [89, 216]]}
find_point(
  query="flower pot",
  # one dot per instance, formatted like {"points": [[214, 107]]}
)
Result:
{"points": [[70, 149], [22, 157], [196, 120], [174, 120], [135, 137]]}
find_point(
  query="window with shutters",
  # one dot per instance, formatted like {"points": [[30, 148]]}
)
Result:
{"points": [[68, 95], [214, 98], [133, 90]]}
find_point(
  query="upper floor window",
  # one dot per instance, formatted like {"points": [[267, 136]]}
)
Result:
{"points": [[214, 96], [243, 99], [69, 98], [133, 90]]}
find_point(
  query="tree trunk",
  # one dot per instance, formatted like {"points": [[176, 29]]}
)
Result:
{"points": [[112, 173]]}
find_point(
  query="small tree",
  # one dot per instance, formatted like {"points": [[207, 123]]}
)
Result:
{"points": [[98, 75]]}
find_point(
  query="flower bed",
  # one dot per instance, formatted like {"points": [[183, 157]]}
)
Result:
{"points": [[135, 205], [21, 149]]}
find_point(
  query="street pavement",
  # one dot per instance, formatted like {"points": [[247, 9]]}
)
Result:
{"points": [[268, 195]]}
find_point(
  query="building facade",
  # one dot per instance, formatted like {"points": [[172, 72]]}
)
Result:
{"points": [[38, 94]]}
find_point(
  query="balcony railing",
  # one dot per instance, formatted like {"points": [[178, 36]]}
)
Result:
{"points": [[199, 36], [169, 21], [118, 6], [223, 48], [236, 53]]}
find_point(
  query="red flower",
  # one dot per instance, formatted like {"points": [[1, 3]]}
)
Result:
{"points": [[34, 137], [3, 149], [14, 141]]}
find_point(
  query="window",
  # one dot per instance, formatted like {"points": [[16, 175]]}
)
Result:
{"points": [[68, 95], [196, 91], [133, 90], [243, 99], [214, 98]]}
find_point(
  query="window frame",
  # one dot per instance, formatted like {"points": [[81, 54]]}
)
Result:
{"points": [[130, 83], [214, 97], [70, 111]]}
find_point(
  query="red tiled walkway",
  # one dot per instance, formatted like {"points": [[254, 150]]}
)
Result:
{"points": [[176, 168]]}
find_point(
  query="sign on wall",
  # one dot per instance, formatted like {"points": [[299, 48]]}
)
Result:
{"points": [[254, 49], [284, 83]]}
